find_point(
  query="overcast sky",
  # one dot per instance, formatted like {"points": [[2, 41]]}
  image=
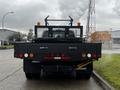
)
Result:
{"points": [[28, 12]]}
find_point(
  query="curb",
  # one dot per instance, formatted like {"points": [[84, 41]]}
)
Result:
{"points": [[5, 48], [102, 82]]}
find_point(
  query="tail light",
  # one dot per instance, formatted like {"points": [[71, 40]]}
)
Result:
{"points": [[52, 57], [26, 55], [83, 55], [65, 58], [94, 55], [21, 55], [31, 55], [86, 55], [49, 57]]}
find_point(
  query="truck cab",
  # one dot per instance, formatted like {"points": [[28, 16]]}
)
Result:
{"points": [[59, 34]]}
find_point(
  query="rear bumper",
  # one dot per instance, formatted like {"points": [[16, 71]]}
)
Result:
{"points": [[35, 67], [57, 62]]}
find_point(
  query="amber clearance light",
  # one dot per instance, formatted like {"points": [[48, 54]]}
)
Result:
{"points": [[31, 55]]}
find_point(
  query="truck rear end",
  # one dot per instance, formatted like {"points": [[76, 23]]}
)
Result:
{"points": [[59, 46]]}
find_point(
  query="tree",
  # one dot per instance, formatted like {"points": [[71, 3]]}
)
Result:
{"points": [[30, 34], [16, 37]]}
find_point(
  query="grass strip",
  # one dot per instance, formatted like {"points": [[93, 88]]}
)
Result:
{"points": [[109, 68]]}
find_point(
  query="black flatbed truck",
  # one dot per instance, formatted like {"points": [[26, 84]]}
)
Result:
{"points": [[58, 50]]}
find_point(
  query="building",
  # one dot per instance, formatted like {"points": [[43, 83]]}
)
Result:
{"points": [[109, 39], [104, 37], [116, 37], [4, 35], [101, 36]]}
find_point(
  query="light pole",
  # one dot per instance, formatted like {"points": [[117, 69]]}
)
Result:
{"points": [[4, 18]]}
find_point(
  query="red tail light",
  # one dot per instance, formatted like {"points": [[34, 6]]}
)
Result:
{"points": [[49, 57], [65, 58], [21, 55], [94, 55]]}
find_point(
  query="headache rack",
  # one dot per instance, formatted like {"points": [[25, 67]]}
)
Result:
{"points": [[50, 27]]}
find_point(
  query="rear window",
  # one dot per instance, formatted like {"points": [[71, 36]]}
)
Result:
{"points": [[58, 34]]}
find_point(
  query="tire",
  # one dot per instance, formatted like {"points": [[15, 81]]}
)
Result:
{"points": [[28, 75], [83, 75], [32, 75], [86, 74], [78, 75]]}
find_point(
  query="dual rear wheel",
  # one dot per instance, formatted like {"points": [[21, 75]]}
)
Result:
{"points": [[32, 75], [85, 74]]}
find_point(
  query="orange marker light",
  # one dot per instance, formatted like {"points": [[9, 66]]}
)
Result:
{"points": [[31, 55], [38, 23], [78, 23], [83, 55]]}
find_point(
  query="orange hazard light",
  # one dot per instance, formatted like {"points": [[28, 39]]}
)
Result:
{"points": [[78, 23], [38, 23], [31, 55]]}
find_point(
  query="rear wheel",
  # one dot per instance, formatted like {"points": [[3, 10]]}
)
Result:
{"points": [[32, 75], [78, 75], [28, 75], [32, 70], [85, 74]]}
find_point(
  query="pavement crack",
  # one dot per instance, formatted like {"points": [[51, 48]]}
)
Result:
{"points": [[10, 75]]}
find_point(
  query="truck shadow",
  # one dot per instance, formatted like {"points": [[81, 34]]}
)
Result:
{"points": [[57, 76], [57, 82]]}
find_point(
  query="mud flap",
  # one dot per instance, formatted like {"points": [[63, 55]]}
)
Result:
{"points": [[30, 67]]}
